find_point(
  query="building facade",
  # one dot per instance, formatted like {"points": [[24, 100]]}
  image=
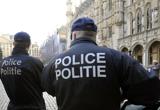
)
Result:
{"points": [[62, 33], [34, 50], [53, 45], [131, 26], [6, 46]]}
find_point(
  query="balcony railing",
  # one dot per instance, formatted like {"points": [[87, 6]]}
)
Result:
{"points": [[147, 34]]}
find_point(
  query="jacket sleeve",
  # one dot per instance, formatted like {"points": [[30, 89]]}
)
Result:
{"points": [[139, 86], [37, 67], [41, 66], [48, 78]]}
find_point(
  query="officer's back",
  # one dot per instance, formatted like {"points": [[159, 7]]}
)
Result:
{"points": [[20, 75], [89, 77]]}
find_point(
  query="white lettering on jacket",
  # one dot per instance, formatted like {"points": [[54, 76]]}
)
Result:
{"points": [[81, 66], [10, 67]]}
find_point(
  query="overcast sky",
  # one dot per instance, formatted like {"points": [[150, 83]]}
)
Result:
{"points": [[39, 18]]}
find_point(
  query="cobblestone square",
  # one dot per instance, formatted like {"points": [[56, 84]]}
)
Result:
{"points": [[50, 101]]}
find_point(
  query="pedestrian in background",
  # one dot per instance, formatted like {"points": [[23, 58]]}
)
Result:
{"points": [[156, 67], [20, 75], [89, 77]]}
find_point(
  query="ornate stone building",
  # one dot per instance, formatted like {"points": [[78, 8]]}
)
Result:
{"points": [[62, 36], [34, 50], [53, 45], [131, 26], [6, 46]]}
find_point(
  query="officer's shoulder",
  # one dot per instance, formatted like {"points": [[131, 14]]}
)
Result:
{"points": [[61, 55], [5, 58], [53, 59], [116, 54], [110, 50], [33, 59], [58, 56]]}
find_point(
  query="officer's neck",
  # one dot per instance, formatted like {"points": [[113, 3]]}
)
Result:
{"points": [[18, 50], [86, 37]]}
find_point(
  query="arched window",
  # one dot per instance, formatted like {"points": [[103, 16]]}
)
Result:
{"points": [[102, 11], [110, 4], [131, 24], [138, 53], [159, 11], [132, 1], [110, 31], [148, 16], [159, 4], [139, 21]]}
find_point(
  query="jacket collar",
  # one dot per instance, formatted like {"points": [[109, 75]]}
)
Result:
{"points": [[82, 40], [19, 51]]}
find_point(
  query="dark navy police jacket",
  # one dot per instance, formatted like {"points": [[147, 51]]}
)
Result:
{"points": [[89, 77], [20, 75]]}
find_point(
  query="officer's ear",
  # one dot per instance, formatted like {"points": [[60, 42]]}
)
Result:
{"points": [[73, 36], [13, 43]]}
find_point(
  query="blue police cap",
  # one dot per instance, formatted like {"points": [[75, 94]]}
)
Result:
{"points": [[22, 37], [84, 24]]}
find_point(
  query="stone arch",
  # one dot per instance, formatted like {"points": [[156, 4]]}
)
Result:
{"points": [[125, 50], [151, 42], [137, 52], [153, 51], [135, 44], [139, 20]]}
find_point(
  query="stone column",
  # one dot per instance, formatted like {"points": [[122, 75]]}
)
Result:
{"points": [[145, 57], [159, 12]]}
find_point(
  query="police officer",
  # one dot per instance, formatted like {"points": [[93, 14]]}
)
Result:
{"points": [[89, 77], [21, 76]]}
